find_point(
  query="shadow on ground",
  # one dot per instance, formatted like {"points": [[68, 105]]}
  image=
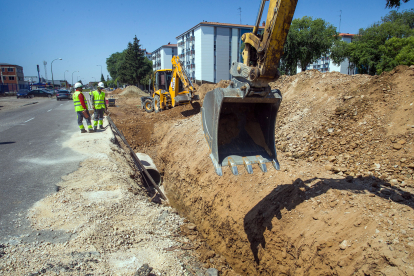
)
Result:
{"points": [[196, 109], [288, 196]]}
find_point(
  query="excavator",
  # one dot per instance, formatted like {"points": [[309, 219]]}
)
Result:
{"points": [[239, 121], [172, 87]]}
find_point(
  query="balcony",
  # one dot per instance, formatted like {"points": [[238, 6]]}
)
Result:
{"points": [[191, 38]]}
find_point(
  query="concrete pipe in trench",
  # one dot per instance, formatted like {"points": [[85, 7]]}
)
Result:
{"points": [[147, 162]]}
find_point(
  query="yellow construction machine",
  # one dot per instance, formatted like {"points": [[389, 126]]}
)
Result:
{"points": [[172, 87], [239, 121]]}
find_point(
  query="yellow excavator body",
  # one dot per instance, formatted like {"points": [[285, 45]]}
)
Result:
{"points": [[172, 87], [239, 121]]}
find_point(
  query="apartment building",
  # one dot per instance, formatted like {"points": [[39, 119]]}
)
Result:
{"points": [[12, 78], [161, 57], [325, 63], [208, 49]]}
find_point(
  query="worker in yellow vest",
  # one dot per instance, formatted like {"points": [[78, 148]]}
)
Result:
{"points": [[81, 108], [99, 106]]}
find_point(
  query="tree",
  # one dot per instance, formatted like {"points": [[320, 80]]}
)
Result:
{"points": [[307, 41], [394, 3], [364, 52], [134, 67], [396, 51], [102, 78], [113, 63]]}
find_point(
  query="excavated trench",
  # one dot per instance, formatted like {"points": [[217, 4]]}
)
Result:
{"points": [[302, 220]]}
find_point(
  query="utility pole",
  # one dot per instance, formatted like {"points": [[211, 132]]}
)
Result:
{"points": [[101, 72], [340, 19], [44, 63], [51, 69], [72, 77], [240, 14]]}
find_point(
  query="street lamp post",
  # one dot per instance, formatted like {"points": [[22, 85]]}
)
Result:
{"points": [[64, 77], [51, 69], [72, 77], [101, 71]]}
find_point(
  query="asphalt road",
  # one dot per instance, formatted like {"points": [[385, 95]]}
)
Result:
{"points": [[32, 158]]}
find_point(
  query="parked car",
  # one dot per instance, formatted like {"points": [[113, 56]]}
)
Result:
{"points": [[63, 94], [39, 93], [23, 93]]}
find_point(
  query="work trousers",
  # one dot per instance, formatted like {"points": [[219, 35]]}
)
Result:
{"points": [[98, 116], [80, 119]]}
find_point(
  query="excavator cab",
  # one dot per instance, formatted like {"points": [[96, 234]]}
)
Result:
{"points": [[239, 121]]}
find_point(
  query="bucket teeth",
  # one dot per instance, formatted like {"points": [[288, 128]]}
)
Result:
{"points": [[248, 165], [262, 163], [217, 167], [276, 165], [233, 166]]}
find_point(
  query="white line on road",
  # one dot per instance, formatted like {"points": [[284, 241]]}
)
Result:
{"points": [[49, 110], [29, 120]]}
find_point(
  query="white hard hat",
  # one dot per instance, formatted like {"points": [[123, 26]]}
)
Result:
{"points": [[101, 85], [78, 85]]}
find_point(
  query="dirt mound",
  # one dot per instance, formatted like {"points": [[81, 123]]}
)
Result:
{"points": [[341, 204], [117, 91], [207, 87], [133, 91]]}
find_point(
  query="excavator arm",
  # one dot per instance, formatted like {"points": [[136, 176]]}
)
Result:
{"points": [[239, 121], [182, 74]]}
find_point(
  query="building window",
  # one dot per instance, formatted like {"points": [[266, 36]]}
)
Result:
{"points": [[11, 78], [9, 69], [2, 69]]}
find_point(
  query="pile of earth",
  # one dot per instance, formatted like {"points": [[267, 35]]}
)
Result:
{"points": [[343, 201], [133, 91]]}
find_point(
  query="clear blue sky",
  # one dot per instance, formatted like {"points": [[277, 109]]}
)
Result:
{"points": [[85, 33]]}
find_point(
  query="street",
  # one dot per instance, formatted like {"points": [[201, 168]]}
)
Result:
{"points": [[32, 157]]}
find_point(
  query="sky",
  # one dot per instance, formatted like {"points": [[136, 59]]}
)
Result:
{"points": [[85, 33]]}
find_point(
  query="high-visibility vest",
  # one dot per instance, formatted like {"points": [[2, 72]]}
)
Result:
{"points": [[99, 99], [77, 103]]}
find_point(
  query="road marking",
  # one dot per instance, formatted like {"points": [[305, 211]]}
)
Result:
{"points": [[29, 120], [49, 110]]}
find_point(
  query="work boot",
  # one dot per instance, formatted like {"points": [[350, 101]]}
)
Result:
{"points": [[91, 130], [94, 128], [101, 127], [83, 130]]}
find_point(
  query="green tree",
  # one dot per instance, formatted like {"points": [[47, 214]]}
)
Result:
{"points": [[134, 67], [102, 78], [396, 51], [113, 63], [307, 41], [364, 52], [395, 3]]}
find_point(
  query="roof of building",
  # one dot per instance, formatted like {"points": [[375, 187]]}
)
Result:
{"points": [[8, 64], [219, 24], [169, 45], [346, 34]]}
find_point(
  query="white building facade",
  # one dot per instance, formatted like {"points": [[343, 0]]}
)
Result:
{"points": [[161, 58], [208, 49], [325, 63]]}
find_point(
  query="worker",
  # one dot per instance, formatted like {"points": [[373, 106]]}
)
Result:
{"points": [[81, 108], [99, 106]]}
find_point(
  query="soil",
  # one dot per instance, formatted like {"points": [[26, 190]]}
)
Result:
{"points": [[101, 222], [342, 203]]}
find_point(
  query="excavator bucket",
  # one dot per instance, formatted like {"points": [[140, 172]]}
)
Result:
{"points": [[240, 130]]}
